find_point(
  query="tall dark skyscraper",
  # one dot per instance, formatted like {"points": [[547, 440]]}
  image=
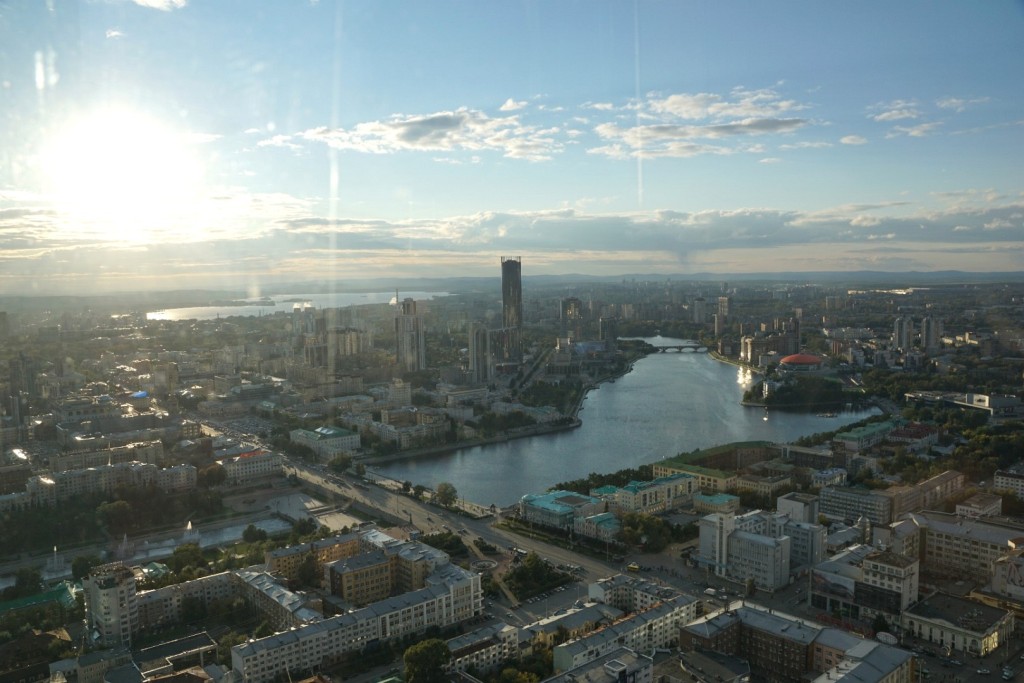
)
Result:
{"points": [[512, 307]]}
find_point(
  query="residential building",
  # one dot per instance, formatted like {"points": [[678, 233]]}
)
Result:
{"points": [[862, 582], [484, 649], [980, 505], [617, 666], [111, 605], [963, 548], [656, 627]]}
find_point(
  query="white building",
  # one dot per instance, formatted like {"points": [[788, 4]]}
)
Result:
{"points": [[326, 442], [111, 605], [251, 467]]}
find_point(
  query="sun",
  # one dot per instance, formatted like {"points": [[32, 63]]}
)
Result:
{"points": [[120, 175]]}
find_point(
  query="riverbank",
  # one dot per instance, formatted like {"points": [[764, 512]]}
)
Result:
{"points": [[444, 449], [520, 433]]}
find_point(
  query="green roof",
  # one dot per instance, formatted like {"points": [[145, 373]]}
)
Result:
{"points": [[61, 593]]}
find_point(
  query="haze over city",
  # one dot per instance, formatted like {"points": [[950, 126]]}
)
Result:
{"points": [[164, 144]]}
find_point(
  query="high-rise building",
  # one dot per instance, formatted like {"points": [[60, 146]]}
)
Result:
{"points": [[410, 340], [512, 307], [111, 605], [903, 333], [699, 310], [931, 335], [608, 328], [480, 358], [723, 308]]}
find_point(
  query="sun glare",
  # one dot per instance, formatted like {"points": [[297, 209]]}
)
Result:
{"points": [[122, 176]]}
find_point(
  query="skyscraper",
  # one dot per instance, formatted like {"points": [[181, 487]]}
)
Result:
{"points": [[410, 340], [512, 307]]}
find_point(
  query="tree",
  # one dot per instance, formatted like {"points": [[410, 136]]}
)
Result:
{"points": [[360, 469], [446, 494], [418, 490], [340, 463], [253, 534], [81, 565], [211, 476], [116, 516], [425, 661], [880, 625]]}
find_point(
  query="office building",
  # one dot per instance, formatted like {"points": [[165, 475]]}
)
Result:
{"points": [[410, 339], [512, 308]]}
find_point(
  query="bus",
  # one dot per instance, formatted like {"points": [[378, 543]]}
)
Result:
{"points": [[633, 567]]}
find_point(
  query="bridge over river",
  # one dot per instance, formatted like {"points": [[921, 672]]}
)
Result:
{"points": [[685, 346]]}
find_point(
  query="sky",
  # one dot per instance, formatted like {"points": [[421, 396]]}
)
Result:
{"points": [[166, 144]]}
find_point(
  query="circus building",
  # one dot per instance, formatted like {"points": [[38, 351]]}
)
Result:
{"points": [[801, 362]]}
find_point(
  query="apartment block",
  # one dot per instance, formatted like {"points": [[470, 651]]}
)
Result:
{"points": [[656, 627]]}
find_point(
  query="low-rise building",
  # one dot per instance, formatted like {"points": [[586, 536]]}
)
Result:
{"points": [[326, 442], [959, 624], [707, 503], [656, 627], [558, 509], [659, 495]]}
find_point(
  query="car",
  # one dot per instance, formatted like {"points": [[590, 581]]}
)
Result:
{"points": [[984, 672]]}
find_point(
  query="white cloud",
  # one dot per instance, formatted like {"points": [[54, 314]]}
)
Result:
{"points": [[853, 140], [769, 160], [919, 131], [165, 5], [897, 115], [512, 105], [447, 131], [806, 145], [675, 140], [114, 33], [959, 104], [741, 103]]}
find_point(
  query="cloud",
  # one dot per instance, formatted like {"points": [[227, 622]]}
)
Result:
{"points": [[512, 105], [676, 140], [275, 236], [959, 104], [164, 5], [114, 33], [740, 103], [919, 131], [806, 145], [447, 131], [897, 115], [853, 140], [769, 160]]}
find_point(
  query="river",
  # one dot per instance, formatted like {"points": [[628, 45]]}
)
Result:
{"points": [[669, 403]]}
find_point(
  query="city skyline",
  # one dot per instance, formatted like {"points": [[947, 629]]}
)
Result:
{"points": [[165, 144]]}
